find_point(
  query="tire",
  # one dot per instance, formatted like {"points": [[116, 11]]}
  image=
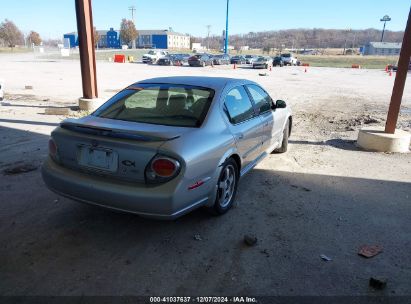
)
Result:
{"points": [[286, 135], [226, 188]]}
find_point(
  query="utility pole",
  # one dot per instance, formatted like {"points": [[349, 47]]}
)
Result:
{"points": [[226, 30], [346, 38], [208, 37], [133, 9], [384, 19]]}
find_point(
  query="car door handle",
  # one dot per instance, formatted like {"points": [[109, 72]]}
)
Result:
{"points": [[266, 124], [240, 136]]}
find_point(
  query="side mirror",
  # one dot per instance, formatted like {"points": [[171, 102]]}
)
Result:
{"points": [[280, 104]]}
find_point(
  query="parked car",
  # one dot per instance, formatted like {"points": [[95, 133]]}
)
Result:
{"points": [[200, 60], [153, 56], [238, 60], [165, 146], [289, 59], [278, 61], [174, 59], [395, 67], [221, 59], [249, 59], [262, 62], [1, 91]]}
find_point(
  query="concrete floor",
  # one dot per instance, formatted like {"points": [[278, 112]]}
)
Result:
{"points": [[53, 246], [324, 196]]}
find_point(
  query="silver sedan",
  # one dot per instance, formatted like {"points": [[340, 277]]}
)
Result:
{"points": [[165, 146]]}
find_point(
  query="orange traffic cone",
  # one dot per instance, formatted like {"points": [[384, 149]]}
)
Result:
{"points": [[390, 73], [386, 68]]}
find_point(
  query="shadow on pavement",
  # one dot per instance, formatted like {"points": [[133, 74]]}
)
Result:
{"points": [[54, 246]]}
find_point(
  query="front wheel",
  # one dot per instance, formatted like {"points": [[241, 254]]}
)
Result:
{"points": [[226, 188], [284, 143]]}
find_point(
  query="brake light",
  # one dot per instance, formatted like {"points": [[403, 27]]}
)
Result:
{"points": [[162, 169], [52, 148]]}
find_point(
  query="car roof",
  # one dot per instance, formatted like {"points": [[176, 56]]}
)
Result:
{"points": [[216, 83]]}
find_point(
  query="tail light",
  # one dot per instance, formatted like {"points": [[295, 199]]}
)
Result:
{"points": [[53, 149], [162, 169]]}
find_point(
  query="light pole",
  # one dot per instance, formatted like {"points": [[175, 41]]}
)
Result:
{"points": [[384, 19], [345, 42], [226, 30], [208, 37]]}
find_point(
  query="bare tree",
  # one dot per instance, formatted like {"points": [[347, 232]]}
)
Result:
{"points": [[128, 31], [10, 34], [306, 38], [34, 38]]}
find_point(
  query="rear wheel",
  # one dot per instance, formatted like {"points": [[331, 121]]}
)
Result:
{"points": [[226, 188], [284, 143]]}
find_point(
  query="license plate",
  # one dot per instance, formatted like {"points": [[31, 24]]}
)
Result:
{"points": [[103, 159]]}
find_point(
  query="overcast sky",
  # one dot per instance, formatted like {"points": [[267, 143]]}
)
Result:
{"points": [[52, 18]]}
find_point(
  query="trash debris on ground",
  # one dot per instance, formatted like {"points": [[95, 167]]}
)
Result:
{"points": [[378, 283], [250, 240], [20, 169], [358, 121], [325, 258], [198, 237], [369, 251]]}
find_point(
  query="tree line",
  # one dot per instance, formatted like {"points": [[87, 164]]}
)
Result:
{"points": [[316, 38], [11, 35]]}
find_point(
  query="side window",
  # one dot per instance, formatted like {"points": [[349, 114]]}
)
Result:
{"points": [[239, 106], [261, 98]]}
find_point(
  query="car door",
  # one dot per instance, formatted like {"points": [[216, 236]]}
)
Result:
{"points": [[272, 120], [244, 124]]}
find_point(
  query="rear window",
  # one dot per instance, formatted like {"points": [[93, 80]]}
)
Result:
{"points": [[160, 104], [286, 55]]}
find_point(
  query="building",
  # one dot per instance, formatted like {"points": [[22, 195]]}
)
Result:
{"points": [[70, 40], [197, 47], [159, 39], [382, 48], [162, 39]]}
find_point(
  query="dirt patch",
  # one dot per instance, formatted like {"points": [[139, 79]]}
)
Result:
{"points": [[19, 169]]}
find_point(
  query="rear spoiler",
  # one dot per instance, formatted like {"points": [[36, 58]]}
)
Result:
{"points": [[106, 132]]}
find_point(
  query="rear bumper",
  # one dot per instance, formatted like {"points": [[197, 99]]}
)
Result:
{"points": [[161, 202]]}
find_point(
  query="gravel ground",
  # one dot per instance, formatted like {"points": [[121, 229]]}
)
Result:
{"points": [[325, 196]]}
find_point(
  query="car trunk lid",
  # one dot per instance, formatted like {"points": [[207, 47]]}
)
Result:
{"points": [[111, 148]]}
